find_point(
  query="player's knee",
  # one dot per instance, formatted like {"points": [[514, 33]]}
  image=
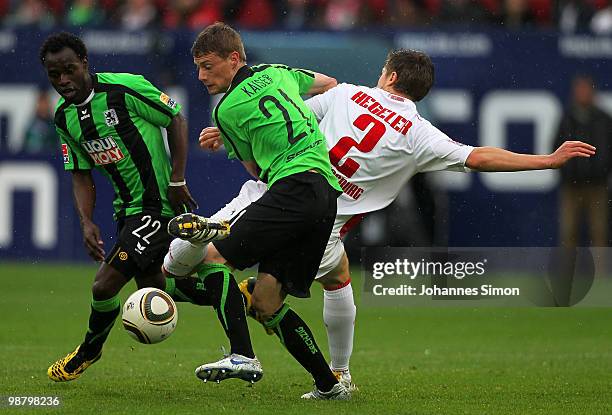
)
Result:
{"points": [[339, 276], [167, 274], [213, 256], [156, 281], [332, 281], [104, 288], [263, 308]]}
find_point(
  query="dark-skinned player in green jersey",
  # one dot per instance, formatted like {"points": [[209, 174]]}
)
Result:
{"points": [[112, 122], [265, 124]]}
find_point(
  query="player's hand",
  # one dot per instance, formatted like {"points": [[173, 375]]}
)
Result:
{"points": [[92, 241], [210, 139], [181, 200], [568, 150]]}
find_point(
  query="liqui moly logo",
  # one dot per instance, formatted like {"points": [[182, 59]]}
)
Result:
{"points": [[103, 151]]}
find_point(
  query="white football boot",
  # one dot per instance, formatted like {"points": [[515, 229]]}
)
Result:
{"points": [[232, 366], [344, 377], [338, 393]]}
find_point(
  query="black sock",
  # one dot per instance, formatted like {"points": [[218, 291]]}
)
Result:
{"points": [[217, 287], [188, 289], [101, 320], [299, 341]]}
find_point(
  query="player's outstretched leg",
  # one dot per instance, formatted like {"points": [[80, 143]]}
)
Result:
{"points": [[339, 309], [342, 375], [221, 291], [246, 289], [101, 320], [339, 317], [105, 308], [297, 337], [198, 229]]}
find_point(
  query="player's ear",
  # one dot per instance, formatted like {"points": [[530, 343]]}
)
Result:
{"points": [[85, 63], [392, 78], [235, 58]]}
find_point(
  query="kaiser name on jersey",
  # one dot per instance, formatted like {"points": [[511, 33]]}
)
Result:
{"points": [[103, 151], [396, 121], [250, 88]]}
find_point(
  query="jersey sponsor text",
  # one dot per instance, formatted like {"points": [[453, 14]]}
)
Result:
{"points": [[349, 189], [103, 151], [302, 151]]}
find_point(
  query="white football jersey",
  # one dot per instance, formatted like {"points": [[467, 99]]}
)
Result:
{"points": [[377, 141]]}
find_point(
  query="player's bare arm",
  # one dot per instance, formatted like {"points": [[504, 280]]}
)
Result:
{"points": [[84, 191], [496, 159], [322, 83], [178, 195]]}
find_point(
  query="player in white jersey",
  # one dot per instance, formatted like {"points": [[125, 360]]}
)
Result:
{"points": [[377, 141]]}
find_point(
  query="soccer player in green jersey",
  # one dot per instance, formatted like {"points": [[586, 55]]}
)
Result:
{"points": [[265, 124], [112, 122]]}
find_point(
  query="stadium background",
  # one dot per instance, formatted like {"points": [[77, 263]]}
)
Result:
{"points": [[502, 78], [495, 85]]}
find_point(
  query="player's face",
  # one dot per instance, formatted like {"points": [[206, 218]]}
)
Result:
{"points": [[69, 75], [215, 72]]}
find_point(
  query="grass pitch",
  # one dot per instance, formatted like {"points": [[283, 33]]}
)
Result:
{"points": [[405, 361]]}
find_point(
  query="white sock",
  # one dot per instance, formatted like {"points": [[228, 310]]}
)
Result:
{"points": [[183, 257], [339, 313]]}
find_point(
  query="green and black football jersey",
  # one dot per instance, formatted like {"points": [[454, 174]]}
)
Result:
{"points": [[263, 118], [117, 130]]}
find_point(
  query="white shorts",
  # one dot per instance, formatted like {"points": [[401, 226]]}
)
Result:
{"points": [[253, 190]]}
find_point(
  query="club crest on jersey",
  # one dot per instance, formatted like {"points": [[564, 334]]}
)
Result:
{"points": [[65, 153], [110, 117], [103, 151], [167, 100]]}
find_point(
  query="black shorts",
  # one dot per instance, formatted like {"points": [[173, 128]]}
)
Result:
{"points": [[285, 231], [142, 243]]}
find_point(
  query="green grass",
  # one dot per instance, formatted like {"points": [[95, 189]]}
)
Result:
{"points": [[405, 361]]}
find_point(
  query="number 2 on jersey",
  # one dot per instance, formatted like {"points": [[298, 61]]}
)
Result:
{"points": [[371, 138]]}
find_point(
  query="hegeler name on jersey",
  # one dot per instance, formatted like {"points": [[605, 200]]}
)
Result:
{"points": [[396, 121], [103, 151]]}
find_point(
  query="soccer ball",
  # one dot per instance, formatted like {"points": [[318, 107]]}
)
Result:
{"points": [[149, 315]]}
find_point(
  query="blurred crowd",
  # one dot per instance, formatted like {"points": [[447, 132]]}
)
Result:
{"points": [[568, 16]]}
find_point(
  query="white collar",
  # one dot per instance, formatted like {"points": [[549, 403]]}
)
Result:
{"points": [[89, 98]]}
